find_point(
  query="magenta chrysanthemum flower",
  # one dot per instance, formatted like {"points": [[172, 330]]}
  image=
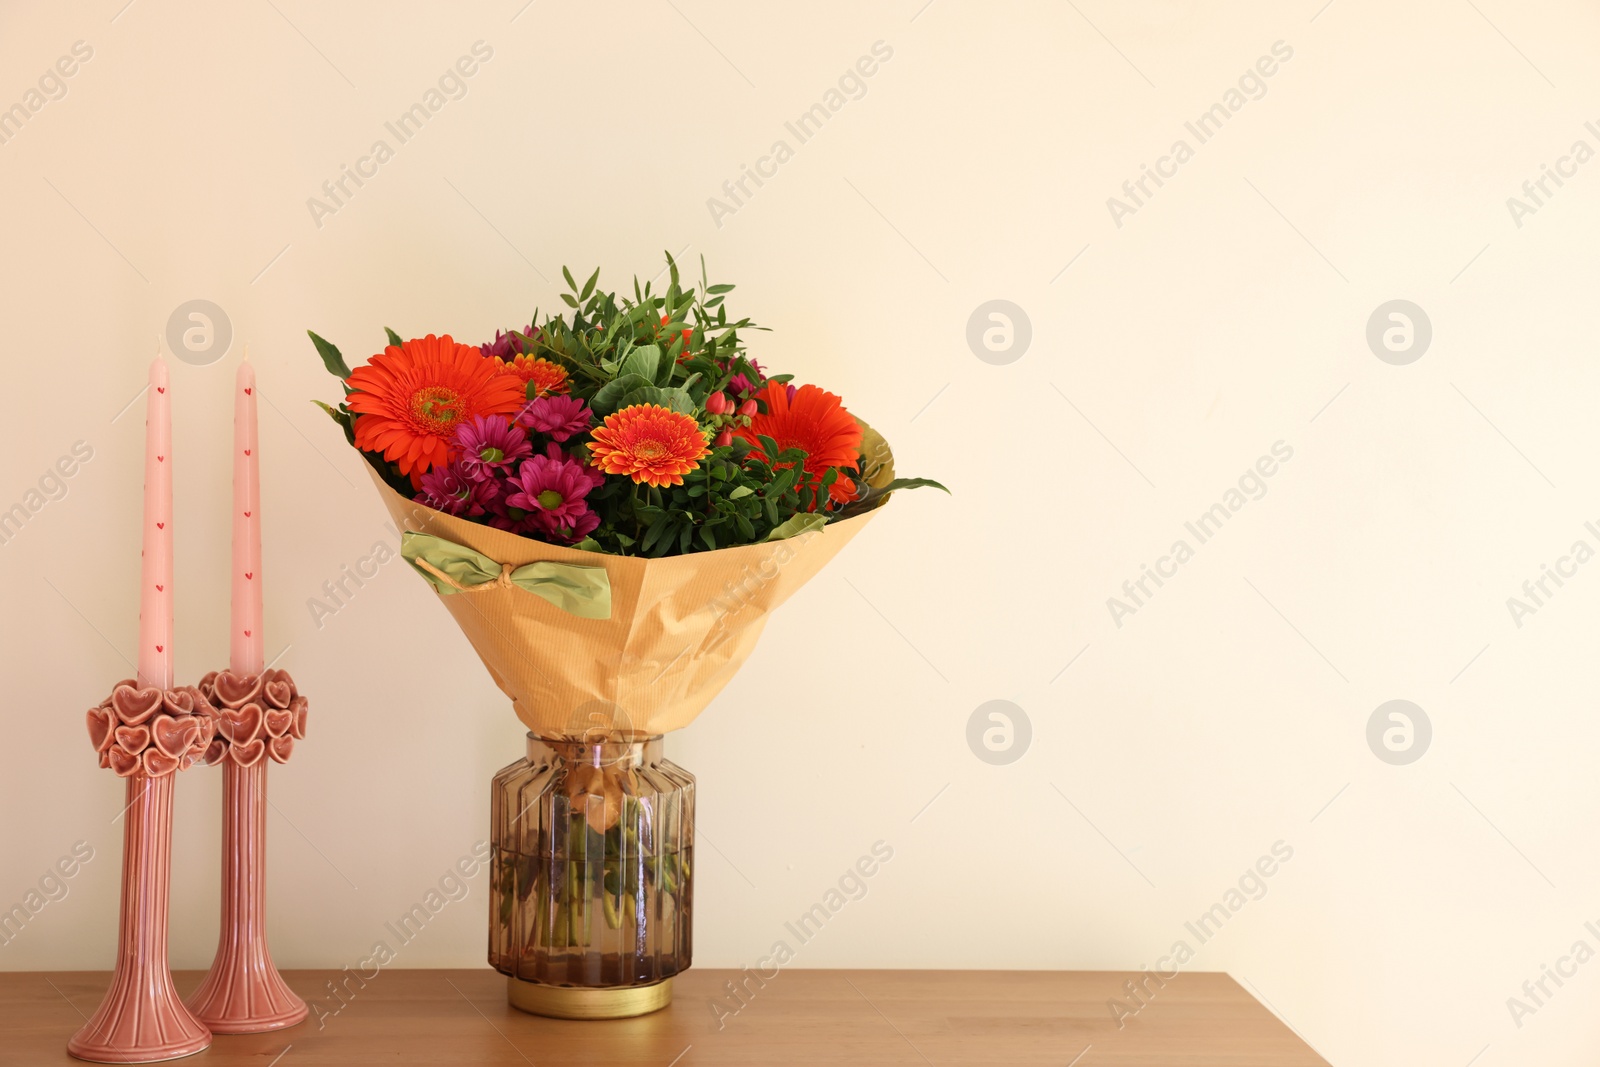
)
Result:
{"points": [[558, 416], [489, 444], [453, 490], [504, 345], [552, 489], [742, 387]]}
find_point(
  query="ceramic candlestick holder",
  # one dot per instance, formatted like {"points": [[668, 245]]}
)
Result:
{"points": [[259, 718], [145, 735]]}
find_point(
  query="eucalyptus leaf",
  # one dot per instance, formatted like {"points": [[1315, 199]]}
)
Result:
{"points": [[642, 361], [609, 396], [672, 399]]}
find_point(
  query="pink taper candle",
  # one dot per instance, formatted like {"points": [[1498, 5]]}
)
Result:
{"points": [[141, 1019], [155, 590], [243, 992], [246, 648]]}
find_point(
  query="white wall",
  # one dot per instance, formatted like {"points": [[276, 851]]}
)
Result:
{"points": [[1225, 314]]}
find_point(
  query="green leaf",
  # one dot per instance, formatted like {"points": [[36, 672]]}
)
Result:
{"points": [[589, 544], [394, 338], [713, 290], [567, 274], [671, 399], [609, 396], [642, 361], [909, 483], [740, 492], [330, 357], [588, 286], [797, 525], [342, 417]]}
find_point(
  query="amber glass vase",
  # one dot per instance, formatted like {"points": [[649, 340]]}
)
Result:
{"points": [[591, 897]]}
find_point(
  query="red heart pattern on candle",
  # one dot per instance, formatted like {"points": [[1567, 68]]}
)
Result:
{"points": [[133, 738], [279, 721], [249, 574], [161, 459], [247, 514], [161, 388], [280, 748], [248, 391], [161, 648], [159, 526], [240, 725], [248, 755], [247, 451], [134, 706], [161, 588]]}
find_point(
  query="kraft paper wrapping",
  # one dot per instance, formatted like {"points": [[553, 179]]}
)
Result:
{"points": [[680, 626]]}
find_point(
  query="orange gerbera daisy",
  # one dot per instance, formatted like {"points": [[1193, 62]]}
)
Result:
{"points": [[547, 377], [409, 398], [649, 443], [814, 420]]}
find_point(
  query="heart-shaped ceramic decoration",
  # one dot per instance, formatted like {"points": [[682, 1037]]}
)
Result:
{"points": [[299, 707], [173, 736], [236, 690], [157, 763], [205, 728], [134, 706], [279, 749], [216, 750], [178, 701], [133, 739], [240, 725], [279, 721], [123, 763], [105, 759], [279, 693], [248, 755], [101, 723]]}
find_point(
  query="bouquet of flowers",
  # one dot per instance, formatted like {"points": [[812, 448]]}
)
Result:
{"points": [[609, 501], [672, 489]]}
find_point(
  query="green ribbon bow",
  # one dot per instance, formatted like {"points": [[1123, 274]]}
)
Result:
{"points": [[451, 568]]}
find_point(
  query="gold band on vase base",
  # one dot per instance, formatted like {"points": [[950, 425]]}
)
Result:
{"points": [[574, 1002]]}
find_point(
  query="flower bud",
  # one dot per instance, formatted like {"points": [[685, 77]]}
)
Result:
{"points": [[749, 407], [718, 403], [724, 438]]}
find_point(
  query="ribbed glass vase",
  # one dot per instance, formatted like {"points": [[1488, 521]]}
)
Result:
{"points": [[591, 885]]}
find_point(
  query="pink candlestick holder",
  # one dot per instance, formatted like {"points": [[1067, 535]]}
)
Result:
{"points": [[142, 1019], [259, 717]]}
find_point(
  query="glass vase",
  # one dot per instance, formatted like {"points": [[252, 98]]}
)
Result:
{"points": [[591, 892]]}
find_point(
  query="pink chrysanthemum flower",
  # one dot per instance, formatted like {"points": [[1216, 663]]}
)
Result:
{"points": [[559, 417], [454, 491], [489, 444], [552, 489]]}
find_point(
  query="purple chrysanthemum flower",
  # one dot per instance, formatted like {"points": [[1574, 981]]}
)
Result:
{"points": [[504, 345], [489, 444], [558, 416], [742, 387], [552, 489], [452, 490]]}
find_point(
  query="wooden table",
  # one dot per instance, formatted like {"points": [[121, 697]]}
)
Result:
{"points": [[912, 1018]]}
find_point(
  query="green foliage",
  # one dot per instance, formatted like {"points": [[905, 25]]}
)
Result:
{"points": [[672, 346]]}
